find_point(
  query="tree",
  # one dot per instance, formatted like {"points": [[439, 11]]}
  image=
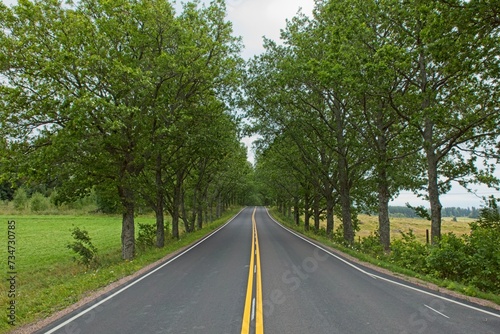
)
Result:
{"points": [[448, 98], [93, 91]]}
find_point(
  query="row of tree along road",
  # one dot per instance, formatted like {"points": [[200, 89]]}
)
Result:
{"points": [[126, 98], [131, 100], [367, 98]]}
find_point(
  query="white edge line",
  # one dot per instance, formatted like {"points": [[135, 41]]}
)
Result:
{"points": [[140, 278], [430, 308], [383, 278], [324, 250]]}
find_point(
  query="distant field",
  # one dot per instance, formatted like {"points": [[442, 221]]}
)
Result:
{"points": [[369, 224]]}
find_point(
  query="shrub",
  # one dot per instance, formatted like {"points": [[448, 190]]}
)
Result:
{"points": [[449, 259], [371, 245], [20, 199], [147, 236], [484, 260], [338, 234], [410, 253], [39, 203], [83, 247]]}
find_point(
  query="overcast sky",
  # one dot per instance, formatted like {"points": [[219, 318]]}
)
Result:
{"points": [[253, 19]]}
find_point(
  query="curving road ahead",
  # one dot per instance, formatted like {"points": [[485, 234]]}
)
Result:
{"points": [[254, 276]]}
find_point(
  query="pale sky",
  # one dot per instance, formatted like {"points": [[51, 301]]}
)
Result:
{"points": [[253, 19]]}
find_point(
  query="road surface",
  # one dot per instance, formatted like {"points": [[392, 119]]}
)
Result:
{"points": [[254, 276]]}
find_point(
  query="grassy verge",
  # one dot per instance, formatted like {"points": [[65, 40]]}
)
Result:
{"points": [[382, 263], [48, 280]]}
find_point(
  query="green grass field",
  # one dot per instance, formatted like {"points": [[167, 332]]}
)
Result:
{"points": [[48, 279]]}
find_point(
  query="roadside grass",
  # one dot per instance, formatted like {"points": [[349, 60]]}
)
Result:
{"points": [[403, 224], [48, 279]]}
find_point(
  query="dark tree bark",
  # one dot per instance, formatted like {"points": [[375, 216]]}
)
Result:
{"points": [[160, 220], [384, 224], [330, 214], [307, 211], [296, 211], [317, 212], [433, 188], [343, 173], [128, 224]]}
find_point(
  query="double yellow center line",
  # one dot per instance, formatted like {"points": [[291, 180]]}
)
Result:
{"points": [[253, 302]]}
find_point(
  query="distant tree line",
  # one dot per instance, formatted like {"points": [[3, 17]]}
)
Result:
{"points": [[403, 211]]}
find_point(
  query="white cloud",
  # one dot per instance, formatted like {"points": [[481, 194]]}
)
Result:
{"points": [[254, 19]]}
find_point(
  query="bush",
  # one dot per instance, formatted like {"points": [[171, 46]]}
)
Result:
{"points": [[371, 245], [449, 259], [39, 203], [410, 253], [484, 260], [83, 247], [20, 199], [147, 236]]}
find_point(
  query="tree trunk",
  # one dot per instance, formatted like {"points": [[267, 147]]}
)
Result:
{"points": [[160, 228], [218, 211], [317, 212], [344, 188], [128, 224], [211, 211], [330, 214], [200, 216], [160, 222], [433, 192], [187, 223], [345, 202], [307, 212], [296, 211], [384, 225], [175, 222], [175, 211], [430, 150], [194, 213]]}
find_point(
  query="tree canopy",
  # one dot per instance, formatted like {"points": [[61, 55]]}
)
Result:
{"points": [[374, 97], [122, 95]]}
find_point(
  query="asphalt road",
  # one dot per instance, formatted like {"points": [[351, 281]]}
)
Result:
{"points": [[304, 290]]}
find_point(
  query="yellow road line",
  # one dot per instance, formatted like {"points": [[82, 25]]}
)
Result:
{"points": [[259, 320], [254, 257], [245, 327]]}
